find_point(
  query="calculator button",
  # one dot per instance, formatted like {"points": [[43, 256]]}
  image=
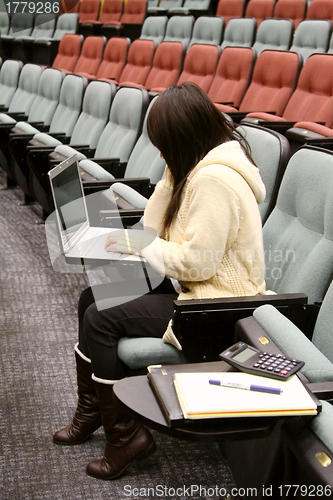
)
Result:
{"points": [[270, 368], [284, 372], [277, 370], [256, 365]]}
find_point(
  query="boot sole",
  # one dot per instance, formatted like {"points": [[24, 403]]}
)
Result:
{"points": [[73, 443], [140, 458]]}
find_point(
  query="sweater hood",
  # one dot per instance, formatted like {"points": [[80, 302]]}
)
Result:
{"points": [[231, 154]]}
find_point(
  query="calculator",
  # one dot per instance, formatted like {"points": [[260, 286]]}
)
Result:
{"points": [[251, 360]]}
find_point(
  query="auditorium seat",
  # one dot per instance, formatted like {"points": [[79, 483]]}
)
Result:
{"points": [[19, 109], [139, 62], [69, 6], [4, 23], [320, 9], [87, 131], [179, 29], [9, 78], [114, 59], [228, 10], [311, 37], [68, 53], [260, 9], [195, 8], [273, 81], [207, 30], [88, 11], [240, 32], [153, 28], [20, 25], [130, 23], [166, 67], [312, 99], [90, 56], [22, 46], [291, 9], [233, 75], [274, 34], [200, 65], [164, 6]]}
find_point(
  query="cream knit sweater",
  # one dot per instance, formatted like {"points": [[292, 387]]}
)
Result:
{"points": [[214, 247]]}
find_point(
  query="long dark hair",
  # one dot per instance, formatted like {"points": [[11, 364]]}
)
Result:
{"points": [[184, 124]]}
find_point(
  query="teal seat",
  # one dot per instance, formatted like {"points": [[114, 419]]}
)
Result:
{"points": [[9, 78], [312, 36], [239, 32], [207, 30], [153, 28], [274, 34], [179, 29]]}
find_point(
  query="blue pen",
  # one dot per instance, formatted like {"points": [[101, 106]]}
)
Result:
{"points": [[250, 387]]}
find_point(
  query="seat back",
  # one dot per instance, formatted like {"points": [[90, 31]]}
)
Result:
{"points": [[330, 48], [4, 23], [199, 5], [298, 234], [207, 30], [66, 24], [313, 96], [70, 105], [240, 32], [21, 25], [125, 124], [47, 97], [167, 65], [270, 152], [273, 81], [228, 10], [274, 34], [179, 29], [139, 62], [69, 6], [68, 52], [88, 11], [94, 116], [171, 4], [291, 9], [154, 28], [44, 26], [311, 36], [260, 9], [91, 55], [114, 58], [320, 9], [111, 11], [27, 89], [233, 75], [134, 12], [145, 159], [200, 65], [9, 77]]}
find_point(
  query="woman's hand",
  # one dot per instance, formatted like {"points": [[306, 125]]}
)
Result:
{"points": [[131, 242]]}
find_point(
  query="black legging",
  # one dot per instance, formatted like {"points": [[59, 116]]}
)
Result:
{"points": [[100, 330]]}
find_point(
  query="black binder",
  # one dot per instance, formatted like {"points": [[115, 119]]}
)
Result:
{"points": [[161, 381]]}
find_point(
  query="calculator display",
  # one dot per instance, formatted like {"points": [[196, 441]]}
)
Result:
{"points": [[244, 355]]}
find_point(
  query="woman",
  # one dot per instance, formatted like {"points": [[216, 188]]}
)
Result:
{"points": [[205, 214]]}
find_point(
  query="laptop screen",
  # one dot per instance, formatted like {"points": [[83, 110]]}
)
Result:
{"points": [[68, 199]]}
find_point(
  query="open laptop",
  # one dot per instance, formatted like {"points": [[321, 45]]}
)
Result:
{"points": [[79, 242]]}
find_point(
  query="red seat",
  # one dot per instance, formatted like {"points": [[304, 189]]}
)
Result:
{"points": [[111, 12], [68, 6], [89, 10], [200, 65], [114, 59], [91, 56], [139, 62], [260, 9], [290, 9], [134, 12], [229, 9], [233, 75], [167, 65], [320, 9], [68, 53], [313, 96], [274, 79]]}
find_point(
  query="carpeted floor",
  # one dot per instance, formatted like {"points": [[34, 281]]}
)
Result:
{"points": [[38, 330]]}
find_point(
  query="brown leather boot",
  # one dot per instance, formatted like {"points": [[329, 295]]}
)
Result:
{"points": [[126, 439], [87, 418]]}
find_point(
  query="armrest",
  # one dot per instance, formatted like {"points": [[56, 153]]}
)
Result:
{"points": [[84, 149], [323, 390], [18, 116], [3, 109], [206, 327], [237, 116], [112, 165], [94, 186]]}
